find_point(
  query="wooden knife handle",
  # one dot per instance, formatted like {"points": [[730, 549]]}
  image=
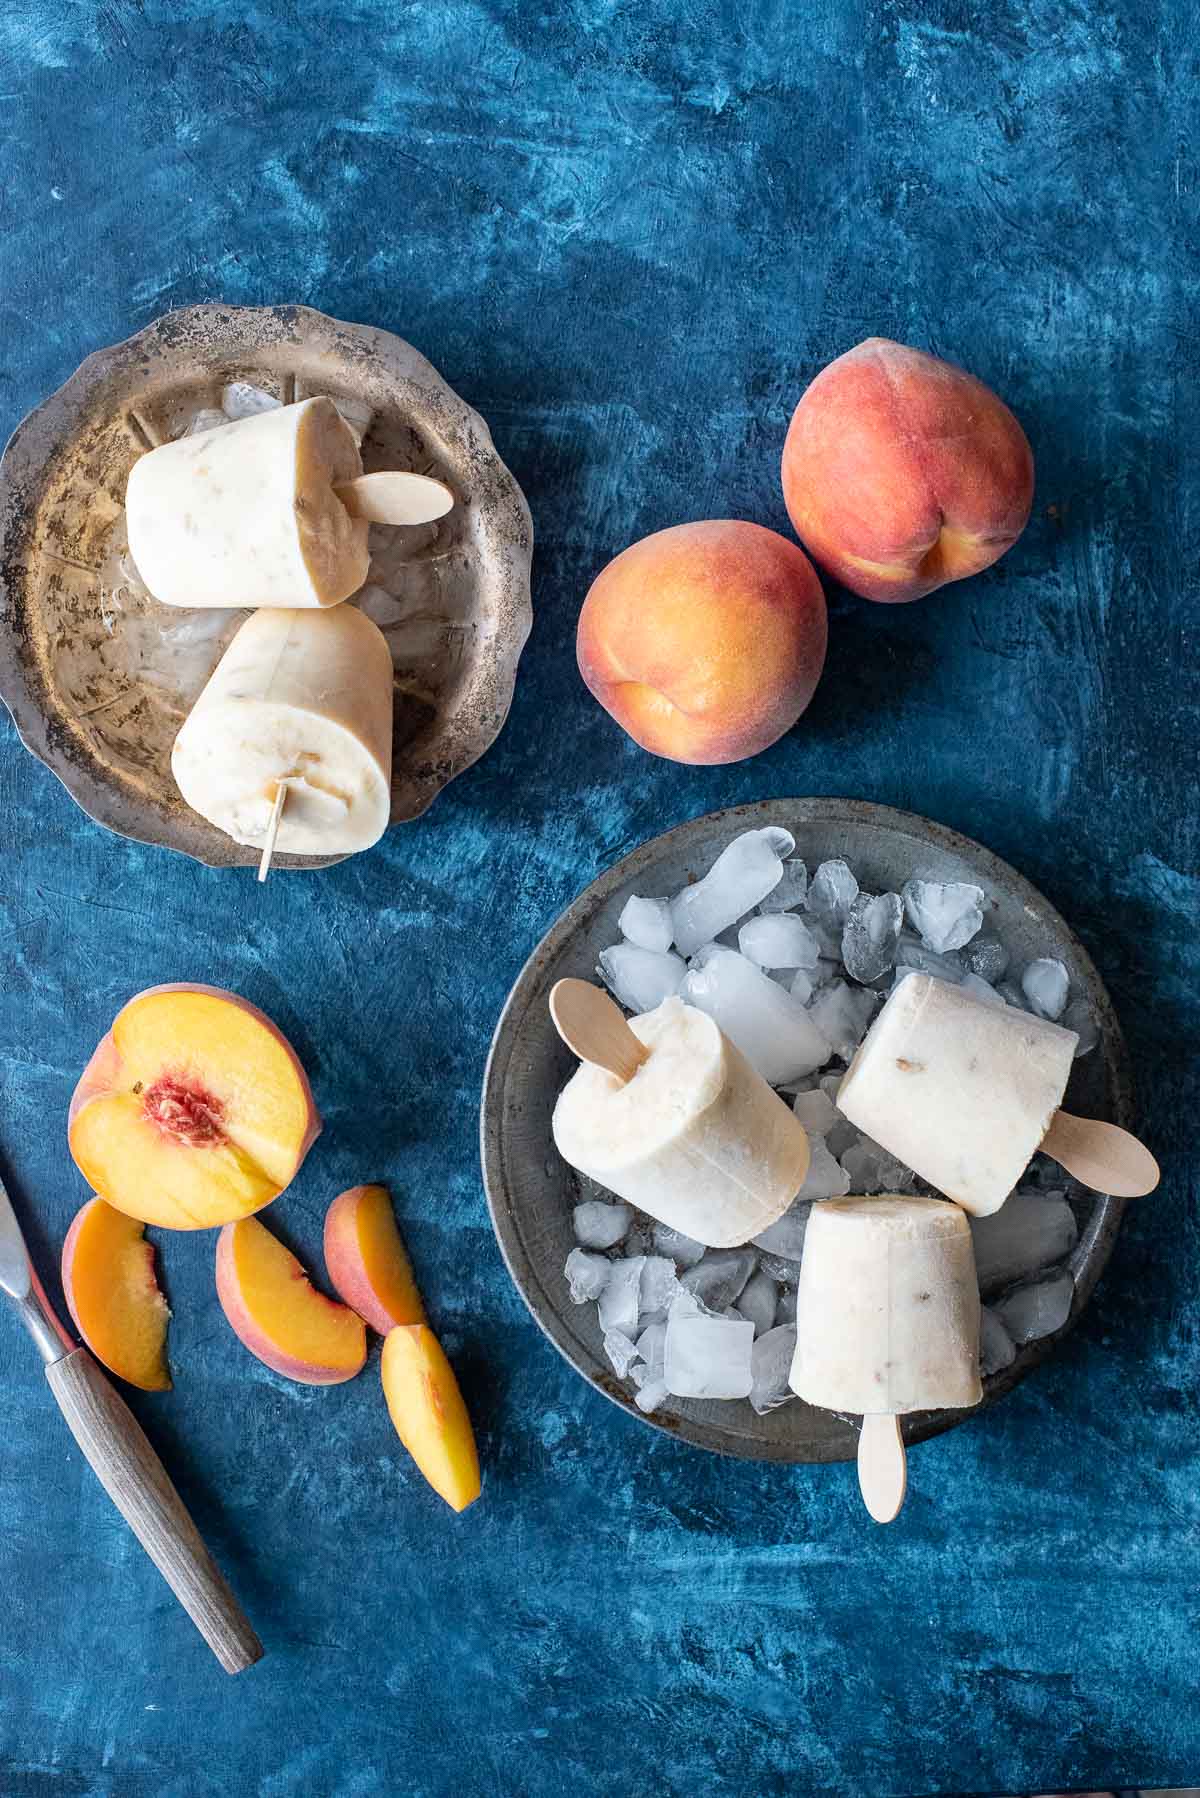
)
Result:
{"points": [[138, 1484]]}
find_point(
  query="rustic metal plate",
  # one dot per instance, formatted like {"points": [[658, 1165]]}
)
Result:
{"points": [[531, 1191], [99, 678]]}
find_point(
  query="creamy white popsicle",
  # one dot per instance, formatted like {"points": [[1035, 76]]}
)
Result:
{"points": [[696, 1139], [959, 1090], [304, 697], [246, 514], [887, 1308]]}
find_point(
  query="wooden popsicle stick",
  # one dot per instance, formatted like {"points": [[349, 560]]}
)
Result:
{"points": [[882, 1467], [394, 497], [1102, 1156], [594, 1028], [281, 793]]}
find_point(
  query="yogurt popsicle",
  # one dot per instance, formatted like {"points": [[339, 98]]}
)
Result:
{"points": [[959, 1090], [304, 697], [246, 514], [887, 1308], [696, 1138]]}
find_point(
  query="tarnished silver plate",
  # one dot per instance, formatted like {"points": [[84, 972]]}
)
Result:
{"points": [[99, 678], [531, 1191]]}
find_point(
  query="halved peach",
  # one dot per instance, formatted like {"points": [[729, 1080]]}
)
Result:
{"points": [[193, 1111], [279, 1315], [427, 1409], [367, 1261], [111, 1291]]}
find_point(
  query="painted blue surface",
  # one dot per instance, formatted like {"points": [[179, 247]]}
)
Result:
{"points": [[629, 235]]}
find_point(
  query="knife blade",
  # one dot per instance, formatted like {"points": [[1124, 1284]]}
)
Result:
{"points": [[122, 1459]]}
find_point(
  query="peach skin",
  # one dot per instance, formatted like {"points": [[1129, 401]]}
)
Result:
{"points": [[427, 1409], [279, 1315], [367, 1262], [902, 472], [193, 1111], [705, 641], [111, 1292]]}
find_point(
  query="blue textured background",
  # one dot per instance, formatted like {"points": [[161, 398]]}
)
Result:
{"points": [[629, 234]]}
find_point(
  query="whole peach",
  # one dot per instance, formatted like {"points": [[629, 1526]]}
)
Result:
{"points": [[902, 472], [705, 641]]}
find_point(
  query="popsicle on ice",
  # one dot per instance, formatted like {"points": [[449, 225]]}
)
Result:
{"points": [[960, 1090], [887, 1307], [303, 697], [246, 514], [695, 1138]]}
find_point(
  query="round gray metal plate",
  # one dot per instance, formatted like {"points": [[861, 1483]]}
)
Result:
{"points": [[99, 685], [531, 1190]]}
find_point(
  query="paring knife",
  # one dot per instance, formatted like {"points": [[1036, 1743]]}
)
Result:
{"points": [[124, 1462]]}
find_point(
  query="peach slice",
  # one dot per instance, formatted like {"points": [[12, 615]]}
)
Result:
{"points": [[427, 1409], [193, 1111], [281, 1318], [368, 1263], [111, 1291]]}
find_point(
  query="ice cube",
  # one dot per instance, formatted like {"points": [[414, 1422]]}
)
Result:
{"points": [[841, 1014], [782, 1268], [816, 1111], [790, 894], [646, 923], [785, 1237], [240, 400], [683, 1250], [785, 1310], [719, 1276], [601, 1226], [650, 1346], [757, 1301], [207, 419], [621, 1351], [1078, 1017], [980, 989], [659, 1284], [619, 1302], [843, 1136], [587, 1275], [830, 1085], [770, 1365], [650, 1396], [779, 941], [1045, 985], [775, 1033], [800, 986], [986, 956], [832, 893], [707, 1357], [640, 979], [1037, 1309], [996, 1347], [944, 913], [869, 1168], [870, 935], [1032, 1229], [825, 1179], [357, 414], [744, 872], [912, 954]]}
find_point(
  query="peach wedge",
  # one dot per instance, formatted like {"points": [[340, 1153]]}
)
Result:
{"points": [[368, 1263], [427, 1409], [279, 1315], [111, 1291], [194, 1110]]}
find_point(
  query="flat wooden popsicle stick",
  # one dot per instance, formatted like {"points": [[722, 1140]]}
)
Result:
{"points": [[281, 793], [594, 1028], [1102, 1156], [882, 1467], [394, 497]]}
